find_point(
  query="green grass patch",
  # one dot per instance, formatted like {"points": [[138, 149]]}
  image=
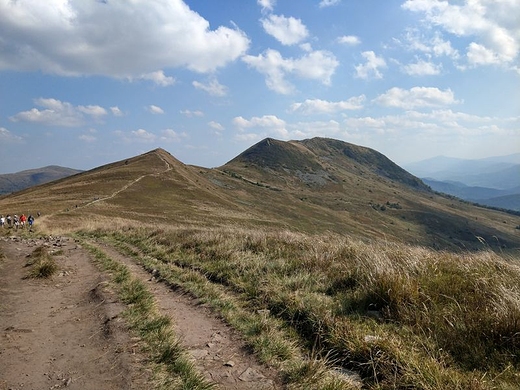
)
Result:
{"points": [[171, 365]]}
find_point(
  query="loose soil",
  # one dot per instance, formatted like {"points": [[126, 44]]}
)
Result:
{"points": [[67, 332]]}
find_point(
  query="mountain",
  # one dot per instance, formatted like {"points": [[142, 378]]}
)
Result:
{"points": [[493, 172], [13, 182], [314, 186], [493, 181]]}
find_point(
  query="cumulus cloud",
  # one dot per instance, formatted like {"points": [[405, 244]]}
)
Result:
{"points": [[159, 78], [215, 125], [58, 113], [142, 135], [213, 87], [317, 65], [371, 68], [153, 109], [492, 24], [260, 127], [318, 106], [416, 97], [288, 31], [116, 111], [435, 44], [422, 68], [191, 114], [267, 5], [328, 3], [123, 39], [89, 137], [7, 136], [170, 135], [350, 40]]}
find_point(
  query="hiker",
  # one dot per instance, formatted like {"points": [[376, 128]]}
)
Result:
{"points": [[23, 219], [16, 221], [9, 221], [30, 220], [2, 221]]}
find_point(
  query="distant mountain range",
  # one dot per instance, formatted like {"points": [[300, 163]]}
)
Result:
{"points": [[13, 182], [493, 181]]}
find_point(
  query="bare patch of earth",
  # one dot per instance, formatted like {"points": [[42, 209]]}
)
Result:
{"points": [[62, 332], [66, 332], [217, 350]]}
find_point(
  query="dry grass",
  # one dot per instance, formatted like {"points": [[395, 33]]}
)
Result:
{"points": [[399, 316], [41, 263]]}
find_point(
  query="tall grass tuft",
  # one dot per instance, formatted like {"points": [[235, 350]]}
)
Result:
{"points": [[42, 264]]}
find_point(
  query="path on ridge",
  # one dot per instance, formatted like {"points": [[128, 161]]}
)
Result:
{"points": [[66, 331]]}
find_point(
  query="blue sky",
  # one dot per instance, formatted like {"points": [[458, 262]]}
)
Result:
{"points": [[85, 82]]}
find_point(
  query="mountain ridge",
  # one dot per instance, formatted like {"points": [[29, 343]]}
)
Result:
{"points": [[13, 182], [313, 186]]}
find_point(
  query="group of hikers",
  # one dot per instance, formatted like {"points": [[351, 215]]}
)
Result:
{"points": [[15, 221]]}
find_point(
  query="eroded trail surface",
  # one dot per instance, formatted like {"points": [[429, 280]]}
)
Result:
{"points": [[66, 331], [218, 352]]}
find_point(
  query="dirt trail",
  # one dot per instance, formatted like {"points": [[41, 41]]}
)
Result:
{"points": [[218, 351], [65, 332]]}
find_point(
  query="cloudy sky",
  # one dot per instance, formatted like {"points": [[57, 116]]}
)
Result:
{"points": [[88, 82]]}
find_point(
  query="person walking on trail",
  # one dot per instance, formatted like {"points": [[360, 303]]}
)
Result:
{"points": [[30, 220], [2, 221], [23, 219], [9, 221]]}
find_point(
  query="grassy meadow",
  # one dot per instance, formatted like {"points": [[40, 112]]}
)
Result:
{"points": [[361, 282], [331, 312]]}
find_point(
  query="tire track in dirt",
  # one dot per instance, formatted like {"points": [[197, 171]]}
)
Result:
{"points": [[216, 349]]}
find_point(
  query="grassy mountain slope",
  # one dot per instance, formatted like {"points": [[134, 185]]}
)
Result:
{"points": [[13, 182], [314, 252], [311, 186]]}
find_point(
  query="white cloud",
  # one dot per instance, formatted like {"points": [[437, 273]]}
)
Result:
{"points": [[317, 65], [116, 111], [215, 125], [480, 55], [493, 24], [213, 87], [94, 111], [7, 136], [170, 135], [159, 78], [416, 97], [288, 31], [267, 5], [87, 138], [422, 68], [318, 106], [267, 125], [153, 109], [191, 114], [434, 45], [123, 39], [371, 67], [58, 113], [142, 135], [350, 40], [329, 3]]}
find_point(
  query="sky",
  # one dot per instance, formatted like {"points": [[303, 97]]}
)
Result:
{"points": [[84, 83]]}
